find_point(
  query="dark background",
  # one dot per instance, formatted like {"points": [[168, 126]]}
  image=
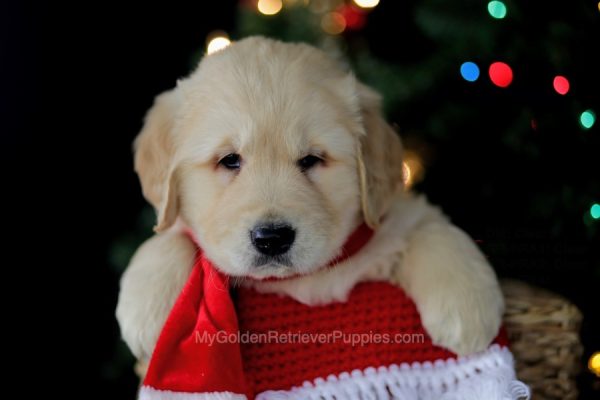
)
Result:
{"points": [[76, 80]]}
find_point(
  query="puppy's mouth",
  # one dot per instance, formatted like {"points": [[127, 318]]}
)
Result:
{"points": [[269, 268], [270, 263]]}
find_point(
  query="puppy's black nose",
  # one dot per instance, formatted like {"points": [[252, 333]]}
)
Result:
{"points": [[272, 240]]}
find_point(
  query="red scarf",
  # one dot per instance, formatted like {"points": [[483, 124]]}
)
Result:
{"points": [[181, 364]]}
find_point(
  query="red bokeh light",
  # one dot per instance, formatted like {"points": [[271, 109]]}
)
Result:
{"points": [[561, 85], [501, 74], [355, 18]]}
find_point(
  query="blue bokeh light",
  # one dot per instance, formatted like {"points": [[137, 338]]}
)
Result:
{"points": [[469, 71]]}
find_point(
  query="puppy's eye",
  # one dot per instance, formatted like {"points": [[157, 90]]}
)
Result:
{"points": [[231, 161], [308, 162]]}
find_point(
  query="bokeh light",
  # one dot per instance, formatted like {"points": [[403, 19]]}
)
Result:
{"points": [[594, 363], [333, 23], [406, 175], [355, 17], [587, 119], [561, 84], [412, 169], [269, 7], [366, 3], [501, 74], [469, 71], [217, 41], [497, 9], [595, 213]]}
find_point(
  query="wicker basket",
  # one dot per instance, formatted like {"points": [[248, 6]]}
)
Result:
{"points": [[543, 329]]}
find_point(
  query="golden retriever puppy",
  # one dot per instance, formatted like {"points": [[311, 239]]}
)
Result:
{"points": [[272, 154]]}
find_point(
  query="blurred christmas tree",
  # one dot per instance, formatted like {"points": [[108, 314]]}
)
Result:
{"points": [[496, 103]]}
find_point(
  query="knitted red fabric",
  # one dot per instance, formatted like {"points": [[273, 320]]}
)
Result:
{"points": [[372, 308]]}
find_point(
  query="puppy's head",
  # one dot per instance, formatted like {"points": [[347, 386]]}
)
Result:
{"points": [[271, 154]]}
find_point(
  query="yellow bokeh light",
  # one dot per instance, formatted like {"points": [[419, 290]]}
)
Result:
{"points": [[269, 7], [333, 23], [412, 169], [406, 175], [594, 363], [366, 3], [217, 43]]}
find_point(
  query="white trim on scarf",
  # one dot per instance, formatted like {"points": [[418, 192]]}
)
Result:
{"points": [[149, 393], [488, 375]]}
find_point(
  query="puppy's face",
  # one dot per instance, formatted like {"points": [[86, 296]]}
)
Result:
{"points": [[265, 158], [269, 183]]}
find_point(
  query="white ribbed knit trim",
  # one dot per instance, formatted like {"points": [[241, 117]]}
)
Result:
{"points": [[149, 393], [485, 376]]}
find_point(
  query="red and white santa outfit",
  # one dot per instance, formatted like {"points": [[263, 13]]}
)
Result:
{"points": [[267, 346]]}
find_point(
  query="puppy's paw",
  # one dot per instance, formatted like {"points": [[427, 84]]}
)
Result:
{"points": [[463, 323], [149, 288], [454, 288]]}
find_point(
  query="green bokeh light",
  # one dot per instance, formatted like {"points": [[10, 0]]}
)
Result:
{"points": [[595, 211], [587, 119], [497, 9]]}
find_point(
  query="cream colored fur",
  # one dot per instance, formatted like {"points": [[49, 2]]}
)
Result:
{"points": [[149, 288], [274, 103]]}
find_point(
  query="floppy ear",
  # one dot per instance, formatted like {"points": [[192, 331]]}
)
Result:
{"points": [[154, 152], [379, 158]]}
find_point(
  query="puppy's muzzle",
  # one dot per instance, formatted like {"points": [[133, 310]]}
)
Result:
{"points": [[272, 240]]}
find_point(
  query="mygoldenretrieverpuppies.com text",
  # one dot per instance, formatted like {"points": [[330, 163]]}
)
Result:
{"points": [[336, 336]]}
